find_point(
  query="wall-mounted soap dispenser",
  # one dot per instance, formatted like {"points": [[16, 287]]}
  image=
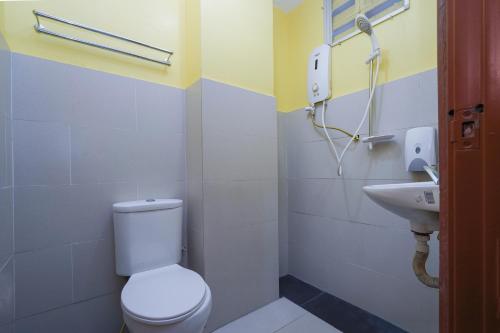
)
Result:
{"points": [[420, 148]]}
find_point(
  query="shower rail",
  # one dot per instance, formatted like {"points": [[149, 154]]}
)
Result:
{"points": [[41, 29]]}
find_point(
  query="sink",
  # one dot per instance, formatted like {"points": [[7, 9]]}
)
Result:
{"points": [[417, 202]]}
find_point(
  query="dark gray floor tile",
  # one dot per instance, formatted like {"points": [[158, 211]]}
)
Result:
{"points": [[297, 291], [338, 313], [347, 317]]}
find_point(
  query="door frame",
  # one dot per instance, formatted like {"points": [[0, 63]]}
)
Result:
{"points": [[469, 85]]}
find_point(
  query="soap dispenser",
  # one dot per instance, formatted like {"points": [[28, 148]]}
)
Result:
{"points": [[420, 148]]}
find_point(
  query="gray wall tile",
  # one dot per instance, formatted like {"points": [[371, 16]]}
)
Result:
{"points": [[101, 154], [99, 315], [41, 153], [282, 192], [6, 292], [160, 156], [43, 280], [124, 139], [238, 203], [59, 320], [49, 97], [228, 110], [338, 239], [158, 108], [409, 102], [5, 151], [283, 225], [194, 178], [162, 189], [7, 328], [194, 157], [196, 250], [102, 99], [92, 210], [6, 224], [6, 199], [56, 215], [246, 276], [234, 157], [43, 217], [94, 270], [232, 196], [70, 94]]}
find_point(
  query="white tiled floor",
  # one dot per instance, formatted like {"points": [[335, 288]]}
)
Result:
{"points": [[281, 316]]}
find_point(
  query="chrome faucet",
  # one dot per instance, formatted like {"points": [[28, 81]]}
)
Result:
{"points": [[433, 173]]}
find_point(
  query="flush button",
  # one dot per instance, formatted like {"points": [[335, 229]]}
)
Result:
{"points": [[150, 200]]}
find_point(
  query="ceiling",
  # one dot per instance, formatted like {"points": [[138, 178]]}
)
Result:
{"points": [[287, 5]]}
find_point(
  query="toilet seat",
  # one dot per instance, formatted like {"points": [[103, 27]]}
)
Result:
{"points": [[164, 295]]}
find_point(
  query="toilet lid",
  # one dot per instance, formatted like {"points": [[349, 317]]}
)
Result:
{"points": [[163, 294]]}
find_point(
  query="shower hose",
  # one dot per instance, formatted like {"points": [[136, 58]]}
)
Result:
{"points": [[340, 156]]}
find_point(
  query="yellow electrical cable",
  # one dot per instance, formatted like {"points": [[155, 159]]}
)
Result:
{"points": [[122, 329], [355, 138]]}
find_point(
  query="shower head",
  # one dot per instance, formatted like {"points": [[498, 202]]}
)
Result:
{"points": [[364, 24]]}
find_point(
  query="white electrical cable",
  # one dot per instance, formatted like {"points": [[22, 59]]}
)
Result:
{"points": [[356, 133], [323, 111]]}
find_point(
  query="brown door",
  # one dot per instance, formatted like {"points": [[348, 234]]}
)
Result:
{"points": [[469, 124]]}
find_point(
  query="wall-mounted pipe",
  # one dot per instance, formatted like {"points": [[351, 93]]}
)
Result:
{"points": [[420, 259]]}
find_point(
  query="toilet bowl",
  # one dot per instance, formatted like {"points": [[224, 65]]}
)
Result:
{"points": [[160, 296], [164, 300]]}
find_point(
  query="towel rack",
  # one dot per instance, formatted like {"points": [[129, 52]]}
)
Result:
{"points": [[41, 29]]}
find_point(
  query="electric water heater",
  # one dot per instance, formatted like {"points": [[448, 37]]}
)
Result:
{"points": [[319, 73]]}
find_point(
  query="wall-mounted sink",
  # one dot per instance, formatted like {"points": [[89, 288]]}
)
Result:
{"points": [[417, 202]]}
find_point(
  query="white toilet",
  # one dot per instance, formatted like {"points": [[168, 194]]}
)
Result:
{"points": [[160, 296]]}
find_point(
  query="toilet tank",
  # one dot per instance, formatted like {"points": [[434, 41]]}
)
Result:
{"points": [[148, 234]]}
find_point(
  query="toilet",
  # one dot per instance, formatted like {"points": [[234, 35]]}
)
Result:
{"points": [[161, 296]]}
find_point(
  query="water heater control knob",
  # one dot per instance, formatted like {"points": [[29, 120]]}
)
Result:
{"points": [[315, 87]]}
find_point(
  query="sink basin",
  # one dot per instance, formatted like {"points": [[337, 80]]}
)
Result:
{"points": [[417, 202]]}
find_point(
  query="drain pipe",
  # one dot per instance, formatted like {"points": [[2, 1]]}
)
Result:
{"points": [[419, 260]]}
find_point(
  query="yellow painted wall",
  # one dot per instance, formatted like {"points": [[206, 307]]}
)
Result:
{"points": [[1, 16], [223, 40], [193, 42], [157, 22], [283, 77], [237, 43], [408, 42]]}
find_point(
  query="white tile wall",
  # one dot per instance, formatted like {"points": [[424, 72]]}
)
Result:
{"points": [[6, 193], [43, 280], [6, 292], [282, 194], [82, 140], [232, 191], [98, 315], [94, 270], [338, 239], [41, 153]]}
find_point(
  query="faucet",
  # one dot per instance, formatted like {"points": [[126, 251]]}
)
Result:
{"points": [[433, 173]]}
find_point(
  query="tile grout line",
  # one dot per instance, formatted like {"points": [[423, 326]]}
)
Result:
{"points": [[291, 322], [312, 299]]}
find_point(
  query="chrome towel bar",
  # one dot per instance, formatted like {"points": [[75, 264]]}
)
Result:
{"points": [[41, 29]]}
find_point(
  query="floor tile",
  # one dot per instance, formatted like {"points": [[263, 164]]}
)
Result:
{"points": [[308, 323], [347, 317], [267, 319], [297, 291]]}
